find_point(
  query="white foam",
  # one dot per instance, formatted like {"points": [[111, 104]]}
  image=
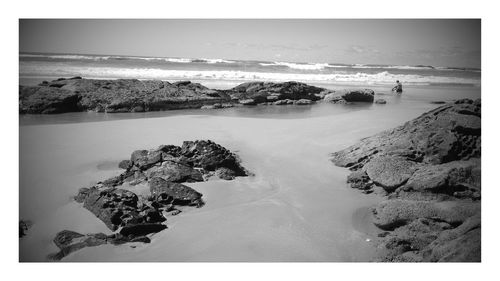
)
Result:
{"points": [[384, 77]]}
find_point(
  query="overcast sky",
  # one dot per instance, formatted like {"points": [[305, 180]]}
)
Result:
{"points": [[404, 42]]}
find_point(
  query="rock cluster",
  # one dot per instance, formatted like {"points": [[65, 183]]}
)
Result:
{"points": [[164, 170], [430, 170], [132, 95]]}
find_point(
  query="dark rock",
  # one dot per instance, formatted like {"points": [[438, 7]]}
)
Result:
{"points": [[380, 101], [24, 225], [225, 173], [125, 164], [115, 207], [175, 172], [141, 229], [211, 156], [260, 91], [166, 192], [359, 180], [358, 95]]}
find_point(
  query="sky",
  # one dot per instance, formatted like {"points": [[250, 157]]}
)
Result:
{"points": [[445, 42]]}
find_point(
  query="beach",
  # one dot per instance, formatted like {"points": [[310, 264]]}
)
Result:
{"points": [[296, 207]]}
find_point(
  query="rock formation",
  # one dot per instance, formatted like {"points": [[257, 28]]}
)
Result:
{"points": [[132, 217], [132, 95], [430, 171]]}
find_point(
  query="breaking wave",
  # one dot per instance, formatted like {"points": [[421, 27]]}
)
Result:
{"points": [[384, 77]]}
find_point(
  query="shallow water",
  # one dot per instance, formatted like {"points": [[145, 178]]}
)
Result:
{"points": [[297, 207]]}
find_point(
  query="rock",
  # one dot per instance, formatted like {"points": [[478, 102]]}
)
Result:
{"points": [[358, 95], [247, 102], [225, 173], [390, 172], [144, 159], [69, 241], [281, 102], [437, 102], [120, 95], [272, 98], [211, 156], [303, 102], [166, 192], [441, 135], [260, 91], [333, 97], [141, 229], [453, 178], [175, 172], [359, 180], [138, 216], [208, 107], [461, 244], [380, 101], [394, 213], [125, 164], [431, 168], [115, 207], [24, 225]]}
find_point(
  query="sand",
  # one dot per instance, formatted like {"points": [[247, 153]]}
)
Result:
{"points": [[297, 207]]}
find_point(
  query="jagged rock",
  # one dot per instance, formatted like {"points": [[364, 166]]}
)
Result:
{"points": [[166, 192], [358, 95], [211, 156], [115, 207], [141, 229], [225, 173], [174, 172], [260, 91]]}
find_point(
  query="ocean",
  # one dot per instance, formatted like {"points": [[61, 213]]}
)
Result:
{"points": [[34, 67]]}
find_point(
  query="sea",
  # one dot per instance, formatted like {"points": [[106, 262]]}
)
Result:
{"points": [[227, 73]]}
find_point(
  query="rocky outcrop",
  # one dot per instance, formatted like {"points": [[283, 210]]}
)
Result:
{"points": [[350, 95], [121, 95], [262, 92], [132, 95], [133, 217], [430, 170]]}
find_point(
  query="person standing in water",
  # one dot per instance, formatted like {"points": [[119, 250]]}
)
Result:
{"points": [[398, 88]]}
